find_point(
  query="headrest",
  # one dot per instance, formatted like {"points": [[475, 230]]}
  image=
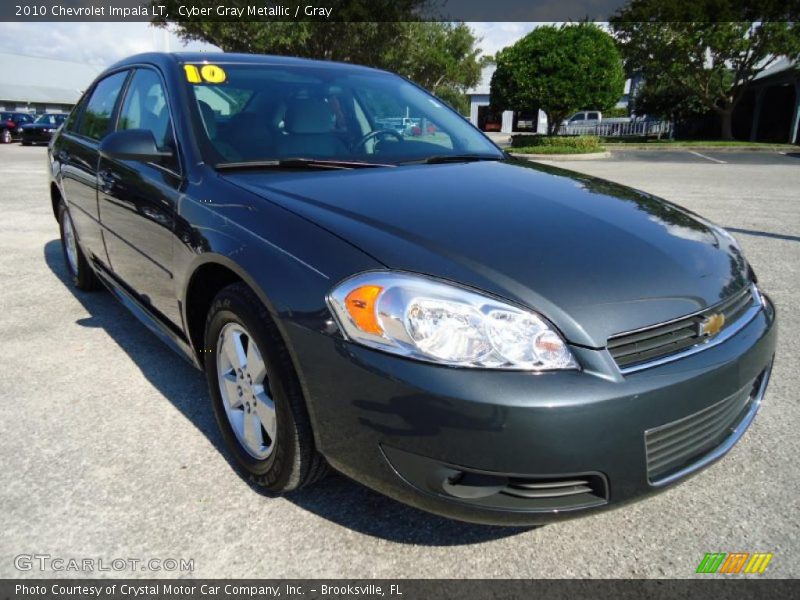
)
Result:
{"points": [[209, 119], [309, 115]]}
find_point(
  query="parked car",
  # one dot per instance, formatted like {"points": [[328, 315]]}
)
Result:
{"points": [[42, 129], [11, 125], [488, 339]]}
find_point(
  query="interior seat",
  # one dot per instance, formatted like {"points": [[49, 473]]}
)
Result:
{"points": [[154, 116], [210, 124], [309, 131]]}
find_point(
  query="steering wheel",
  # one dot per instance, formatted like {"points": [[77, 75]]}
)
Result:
{"points": [[375, 134]]}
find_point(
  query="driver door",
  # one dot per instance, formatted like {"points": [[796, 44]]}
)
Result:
{"points": [[138, 200]]}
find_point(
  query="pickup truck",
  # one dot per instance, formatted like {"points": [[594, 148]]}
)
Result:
{"points": [[580, 121]]}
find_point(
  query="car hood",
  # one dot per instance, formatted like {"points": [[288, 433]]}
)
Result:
{"points": [[594, 257]]}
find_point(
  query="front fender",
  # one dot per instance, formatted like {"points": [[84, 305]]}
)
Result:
{"points": [[290, 263]]}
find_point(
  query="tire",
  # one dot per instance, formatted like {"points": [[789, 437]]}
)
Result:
{"points": [[24, 143], [5, 136], [280, 455], [78, 267]]}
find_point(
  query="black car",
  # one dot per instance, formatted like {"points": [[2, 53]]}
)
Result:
{"points": [[11, 125], [42, 129], [485, 338]]}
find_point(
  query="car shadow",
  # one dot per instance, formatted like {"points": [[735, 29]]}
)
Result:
{"points": [[336, 498]]}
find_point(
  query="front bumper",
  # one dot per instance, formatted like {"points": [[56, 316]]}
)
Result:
{"points": [[417, 431], [36, 137]]}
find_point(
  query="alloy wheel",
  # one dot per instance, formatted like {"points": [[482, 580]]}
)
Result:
{"points": [[245, 391], [71, 244]]}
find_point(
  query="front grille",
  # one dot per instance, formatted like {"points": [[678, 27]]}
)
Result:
{"points": [[659, 341], [675, 446]]}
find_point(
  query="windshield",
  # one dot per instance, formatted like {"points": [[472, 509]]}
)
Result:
{"points": [[269, 112], [50, 119]]}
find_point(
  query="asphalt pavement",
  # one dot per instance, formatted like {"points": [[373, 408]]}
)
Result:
{"points": [[109, 449], [701, 155]]}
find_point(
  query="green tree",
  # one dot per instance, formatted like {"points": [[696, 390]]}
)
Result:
{"points": [[559, 70], [707, 51], [440, 56], [663, 98]]}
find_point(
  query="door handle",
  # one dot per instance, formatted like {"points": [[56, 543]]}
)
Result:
{"points": [[107, 179]]}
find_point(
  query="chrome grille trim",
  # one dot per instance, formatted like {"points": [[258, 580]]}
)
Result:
{"points": [[730, 330], [560, 493]]}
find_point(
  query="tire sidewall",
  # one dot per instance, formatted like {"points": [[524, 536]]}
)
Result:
{"points": [[274, 471]]}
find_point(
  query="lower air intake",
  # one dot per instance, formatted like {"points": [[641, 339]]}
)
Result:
{"points": [[674, 446]]}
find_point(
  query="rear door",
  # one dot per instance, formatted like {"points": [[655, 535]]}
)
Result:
{"points": [[76, 151], [138, 200]]}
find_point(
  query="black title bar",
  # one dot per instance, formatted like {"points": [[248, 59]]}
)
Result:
{"points": [[310, 10], [717, 588]]}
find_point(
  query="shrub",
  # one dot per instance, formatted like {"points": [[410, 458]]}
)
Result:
{"points": [[581, 143], [554, 150]]}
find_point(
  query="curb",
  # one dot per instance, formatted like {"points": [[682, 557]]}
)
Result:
{"points": [[559, 157]]}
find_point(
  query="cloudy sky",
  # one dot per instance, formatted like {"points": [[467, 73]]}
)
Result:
{"points": [[103, 43]]}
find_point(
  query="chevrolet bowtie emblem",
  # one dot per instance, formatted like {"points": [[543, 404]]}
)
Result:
{"points": [[711, 325]]}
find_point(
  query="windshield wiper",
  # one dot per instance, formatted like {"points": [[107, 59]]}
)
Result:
{"points": [[297, 163], [447, 158]]}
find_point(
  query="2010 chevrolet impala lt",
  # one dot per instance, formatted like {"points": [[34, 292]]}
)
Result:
{"points": [[370, 283]]}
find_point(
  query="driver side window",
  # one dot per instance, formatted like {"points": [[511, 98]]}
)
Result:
{"points": [[145, 107]]}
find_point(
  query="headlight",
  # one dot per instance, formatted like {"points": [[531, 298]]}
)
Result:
{"points": [[419, 317]]}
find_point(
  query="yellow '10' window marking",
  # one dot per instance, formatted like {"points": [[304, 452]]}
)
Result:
{"points": [[204, 74]]}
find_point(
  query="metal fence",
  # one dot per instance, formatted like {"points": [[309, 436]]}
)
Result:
{"points": [[658, 129]]}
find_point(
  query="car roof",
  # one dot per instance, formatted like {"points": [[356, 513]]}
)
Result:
{"points": [[170, 58]]}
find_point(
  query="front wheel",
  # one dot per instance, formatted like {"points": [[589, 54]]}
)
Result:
{"points": [[80, 271], [256, 395]]}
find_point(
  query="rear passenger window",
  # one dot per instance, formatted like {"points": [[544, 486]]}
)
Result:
{"points": [[97, 115]]}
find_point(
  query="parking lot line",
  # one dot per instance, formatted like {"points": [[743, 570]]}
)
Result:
{"points": [[716, 160]]}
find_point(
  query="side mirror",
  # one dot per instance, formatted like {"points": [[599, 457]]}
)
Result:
{"points": [[132, 144]]}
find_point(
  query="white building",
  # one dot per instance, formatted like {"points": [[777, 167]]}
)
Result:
{"points": [[509, 121], [31, 84]]}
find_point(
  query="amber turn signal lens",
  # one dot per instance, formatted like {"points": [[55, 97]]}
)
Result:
{"points": [[360, 305]]}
